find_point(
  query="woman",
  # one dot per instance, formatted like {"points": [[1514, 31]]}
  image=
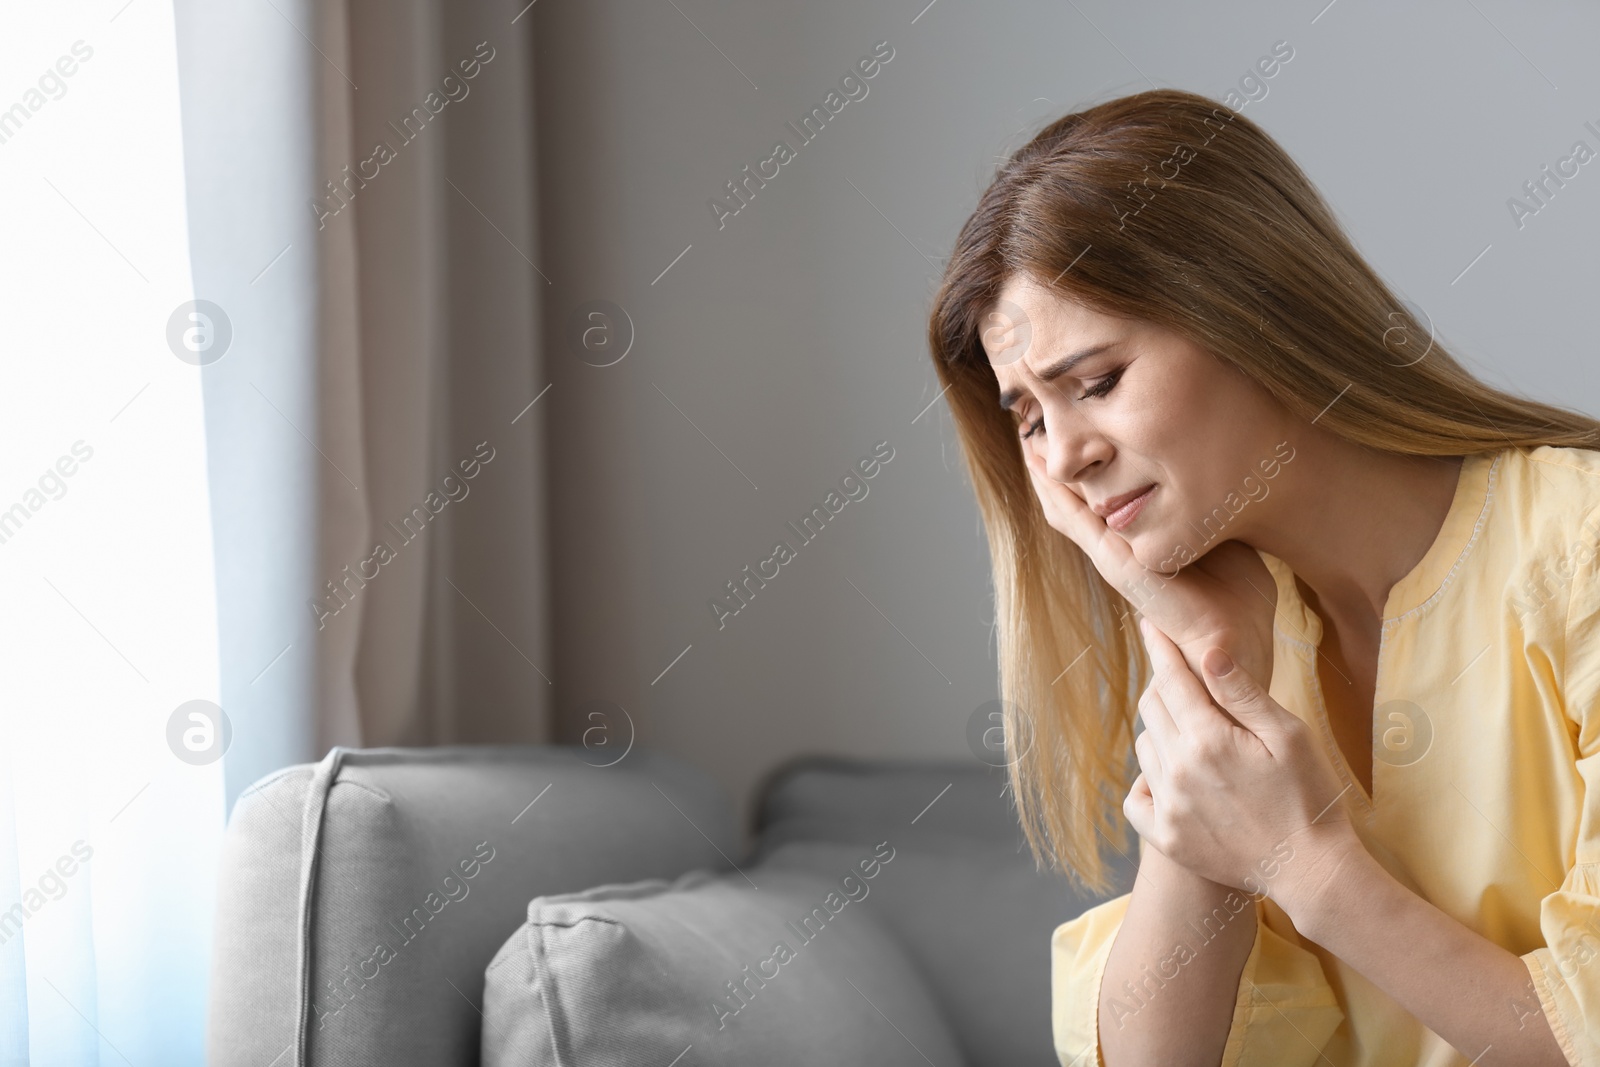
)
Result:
{"points": [[1185, 399]]}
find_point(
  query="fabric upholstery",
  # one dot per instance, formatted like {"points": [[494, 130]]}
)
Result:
{"points": [[963, 898], [766, 967], [361, 899], [839, 798]]}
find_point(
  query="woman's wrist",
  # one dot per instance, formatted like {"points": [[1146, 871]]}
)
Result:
{"points": [[1317, 879], [1178, 885]]}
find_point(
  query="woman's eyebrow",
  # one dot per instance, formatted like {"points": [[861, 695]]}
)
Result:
{"points": [[1056, 370]]}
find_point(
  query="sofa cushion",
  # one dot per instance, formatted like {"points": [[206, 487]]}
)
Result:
{"points": [[760, 966], [963, 898], [909, 801]]}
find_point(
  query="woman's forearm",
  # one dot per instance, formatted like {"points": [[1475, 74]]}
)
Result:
{"points": [[1172, 975], [1470, 991]]}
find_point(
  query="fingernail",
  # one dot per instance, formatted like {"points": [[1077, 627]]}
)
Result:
{"points": [[1219, 662], [1144, 626]]}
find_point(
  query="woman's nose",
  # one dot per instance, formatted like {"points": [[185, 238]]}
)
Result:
{"points": [[1074, 446]]}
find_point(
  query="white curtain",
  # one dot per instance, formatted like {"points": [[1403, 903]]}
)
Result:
{"points": [[109, 820]]}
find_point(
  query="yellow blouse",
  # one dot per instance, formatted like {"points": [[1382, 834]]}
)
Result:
{"points": [[1486, 740]]}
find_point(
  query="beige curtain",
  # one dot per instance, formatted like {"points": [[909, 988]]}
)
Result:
{"points": [[360, 187], [359, 178], [431, 524]]}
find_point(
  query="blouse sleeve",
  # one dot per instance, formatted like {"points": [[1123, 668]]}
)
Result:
{"points": [[1284, 1011], [1566, 969]]}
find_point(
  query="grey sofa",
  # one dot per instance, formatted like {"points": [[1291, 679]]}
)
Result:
{"points": [[434, 854]]}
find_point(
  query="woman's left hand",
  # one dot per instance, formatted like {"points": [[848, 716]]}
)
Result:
{"points": [[1252, 801]]}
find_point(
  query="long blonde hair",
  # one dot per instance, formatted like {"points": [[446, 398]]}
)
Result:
{"points": [[1168, 207]]}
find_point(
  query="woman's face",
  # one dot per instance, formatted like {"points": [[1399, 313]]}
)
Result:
{"points": [[1145, 408]]}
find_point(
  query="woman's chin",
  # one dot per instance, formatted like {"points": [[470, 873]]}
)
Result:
{"points": [[1149, 551], [1139, 545]]}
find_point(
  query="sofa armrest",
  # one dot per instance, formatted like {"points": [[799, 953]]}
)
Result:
{"points": [[361, 898]]}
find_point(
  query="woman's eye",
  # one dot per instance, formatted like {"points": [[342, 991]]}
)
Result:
{"points": [[1103, 386], [1035, 428]]}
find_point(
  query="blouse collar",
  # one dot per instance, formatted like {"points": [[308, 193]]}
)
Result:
{"points": [[1463, 522]]}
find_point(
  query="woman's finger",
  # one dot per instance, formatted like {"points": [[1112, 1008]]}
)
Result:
{"points": [[1111, 555], [1158, 721], [1185, 695], [1060, 498], [1149, 755], [1139, 807]]}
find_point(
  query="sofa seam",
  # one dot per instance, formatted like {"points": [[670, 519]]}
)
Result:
{"points": [[261, 786], [374, 790], [542, 983], [564, 925]]}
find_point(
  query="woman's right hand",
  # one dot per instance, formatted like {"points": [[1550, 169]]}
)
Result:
{"points": [[1226, 598]]}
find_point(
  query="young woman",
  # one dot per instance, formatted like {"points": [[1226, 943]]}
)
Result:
{"points": [[1213, 450]]}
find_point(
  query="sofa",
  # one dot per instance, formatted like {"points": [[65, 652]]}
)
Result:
{"points": [[363, 900]]}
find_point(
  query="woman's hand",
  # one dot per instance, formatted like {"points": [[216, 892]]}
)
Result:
{"points": [[1254, 805], [1225, 599]]}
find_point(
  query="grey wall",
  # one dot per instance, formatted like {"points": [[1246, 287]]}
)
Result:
{"points": [[792, 338]]}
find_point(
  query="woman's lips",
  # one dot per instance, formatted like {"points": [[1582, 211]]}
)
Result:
{"points": [[1123, 517]]}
